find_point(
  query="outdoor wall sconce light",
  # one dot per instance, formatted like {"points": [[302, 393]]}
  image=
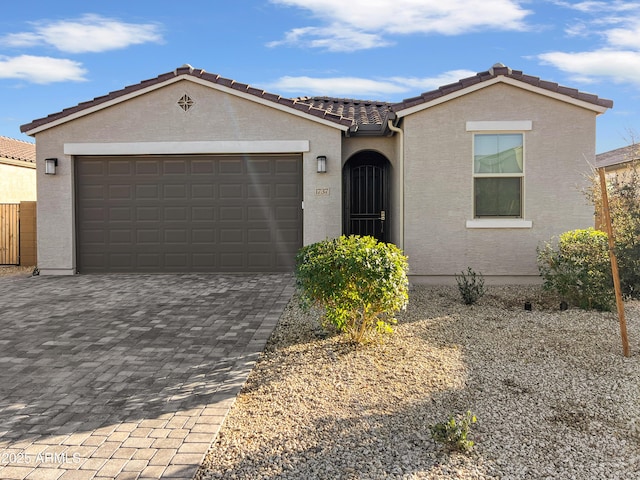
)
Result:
{"points": [[50, 165], [322, 163]]}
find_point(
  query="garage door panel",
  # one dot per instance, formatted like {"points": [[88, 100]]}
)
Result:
{"points": [[147, 167], [260, 191], [119, 168], [231, 191], [203, 214], [120, 236], [147, 237], [259, 260], [92, 168], [231, 214], [259, 235], [148, 261], [174, 192], [117, 214], [232, 236], [148, 213], [202, 167], [203, 191], [259, 167], [176, 259], [147, 192], [204, 236], [175, 167], [92, 192], [175, 214], [230, 166]]}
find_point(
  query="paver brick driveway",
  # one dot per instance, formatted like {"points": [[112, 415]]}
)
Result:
{"points": [[125, 376]]}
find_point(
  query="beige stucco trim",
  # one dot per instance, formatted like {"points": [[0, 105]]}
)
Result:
{"points": [[500, 126], [509, 81], [181, 148], [200, 81], [499, 223]]}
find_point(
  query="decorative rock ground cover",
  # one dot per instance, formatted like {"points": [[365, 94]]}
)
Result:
{"points": [[553, 394]]}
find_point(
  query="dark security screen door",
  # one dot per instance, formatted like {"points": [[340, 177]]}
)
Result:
{"points": [[366, 198]]}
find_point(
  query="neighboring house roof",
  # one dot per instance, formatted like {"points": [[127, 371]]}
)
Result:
{"points": [[618, 156], [17, 152], [360, 117]]}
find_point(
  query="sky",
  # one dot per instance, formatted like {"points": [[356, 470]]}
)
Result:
{"points": [[54, 55]]}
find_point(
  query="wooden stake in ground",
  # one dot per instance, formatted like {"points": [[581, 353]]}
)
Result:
{"points": [[614, 263]]}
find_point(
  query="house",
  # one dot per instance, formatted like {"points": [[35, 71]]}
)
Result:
{"points": [[190, 171], [17, 170], [618, 160], [620, 165]]}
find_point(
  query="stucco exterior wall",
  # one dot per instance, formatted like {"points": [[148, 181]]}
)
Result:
{"points": [[17, 183], [439, 183], [156, 117]]}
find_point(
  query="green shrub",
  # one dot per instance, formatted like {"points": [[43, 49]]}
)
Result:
{"points": [[359, 282], [579, 269], [454, 433], [471, 286]]}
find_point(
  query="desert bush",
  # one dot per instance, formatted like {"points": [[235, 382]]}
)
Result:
{"points": [[455, 432], [470, 285], [577, 267], [623, 190], [359, 282]]}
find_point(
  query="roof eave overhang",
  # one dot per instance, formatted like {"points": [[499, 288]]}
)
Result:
{"points": [[598, 109], [17, 163], [179, 78]]}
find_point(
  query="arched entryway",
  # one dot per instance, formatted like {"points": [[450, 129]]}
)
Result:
{"points": [[366, 195]]}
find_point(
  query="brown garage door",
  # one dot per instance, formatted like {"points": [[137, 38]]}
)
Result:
{"points": [[188, 214]]}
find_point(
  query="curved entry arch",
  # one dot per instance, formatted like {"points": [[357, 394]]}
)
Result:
{"points": [[365, 196]]}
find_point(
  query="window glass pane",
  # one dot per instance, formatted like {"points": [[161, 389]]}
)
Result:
{"points": [[498, 153], [498, 197]]}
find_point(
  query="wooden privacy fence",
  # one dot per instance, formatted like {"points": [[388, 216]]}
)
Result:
{"points": [[18, 233]]}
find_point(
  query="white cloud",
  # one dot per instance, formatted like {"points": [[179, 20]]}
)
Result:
{"points": [[599, 7], [90, 33], [617, 58], [365, 88], [367, 21], [625, 37], [331, 38], [431, 83], [41, 69], [616, 65]]}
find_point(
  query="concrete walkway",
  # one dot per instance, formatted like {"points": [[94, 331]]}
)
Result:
{"points": [[125, 376]]}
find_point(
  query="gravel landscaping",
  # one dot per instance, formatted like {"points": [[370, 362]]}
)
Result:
{"points": [[553, 394]]}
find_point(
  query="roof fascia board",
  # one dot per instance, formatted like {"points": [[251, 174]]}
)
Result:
{"points": [[183, 148], [157, 86], [501, 79]]}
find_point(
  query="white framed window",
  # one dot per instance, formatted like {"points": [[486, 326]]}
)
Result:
{"points": [[498, 175]]}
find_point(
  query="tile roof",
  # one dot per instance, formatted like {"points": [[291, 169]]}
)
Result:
{"points": [[495, 71], [618, 156], [13, 149], [368, 115], [363, 117], [198, 73]]}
